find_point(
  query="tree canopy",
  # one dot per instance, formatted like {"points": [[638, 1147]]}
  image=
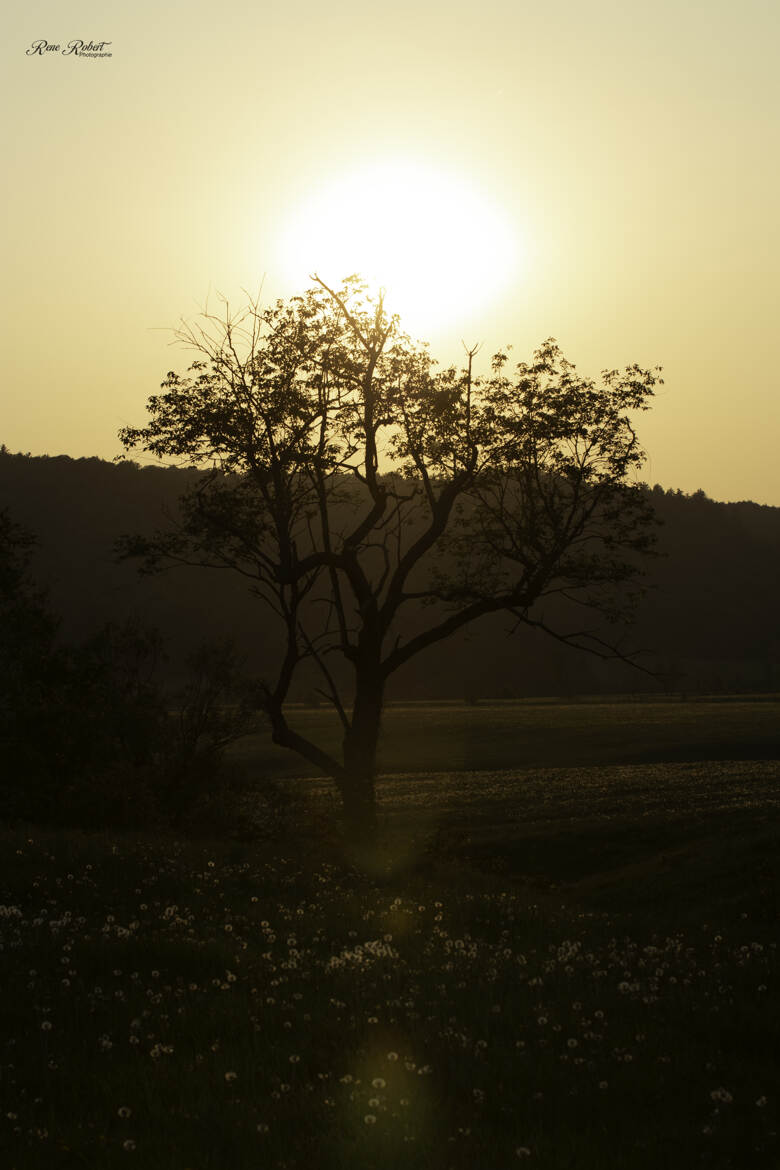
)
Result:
{"points": [[350, 480]]}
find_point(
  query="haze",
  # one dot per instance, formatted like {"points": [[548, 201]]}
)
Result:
{"points": [[606, 174]]}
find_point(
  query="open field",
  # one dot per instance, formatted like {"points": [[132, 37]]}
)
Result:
{"points": [[455, 737], [627, 837], [553, 967]]}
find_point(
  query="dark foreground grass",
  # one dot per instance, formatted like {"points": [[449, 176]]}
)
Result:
{"points": [[523, 996]]}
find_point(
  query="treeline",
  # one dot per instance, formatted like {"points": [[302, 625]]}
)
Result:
{"points": [[708, 621]]}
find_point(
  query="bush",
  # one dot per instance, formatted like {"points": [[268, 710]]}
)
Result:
{"points": [[89, 736], [246, 809]]}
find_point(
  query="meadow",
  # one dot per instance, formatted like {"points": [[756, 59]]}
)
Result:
{"points": [[553, 965], [459, 737]]}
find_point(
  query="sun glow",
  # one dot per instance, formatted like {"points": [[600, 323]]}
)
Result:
{"points": [[440, 247]]}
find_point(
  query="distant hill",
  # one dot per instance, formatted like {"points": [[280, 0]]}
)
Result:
{"points": [[710, 618]]}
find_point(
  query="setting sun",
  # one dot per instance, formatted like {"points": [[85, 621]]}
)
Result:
{"points": [[437, 243]]}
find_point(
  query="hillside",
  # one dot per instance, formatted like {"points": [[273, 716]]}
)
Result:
{"points": [[709, 619]]}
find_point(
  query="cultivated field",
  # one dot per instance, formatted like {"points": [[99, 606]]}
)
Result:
{"points": [[555, 966]]}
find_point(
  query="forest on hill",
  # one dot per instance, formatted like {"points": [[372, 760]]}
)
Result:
{"points": [[707, 623]]}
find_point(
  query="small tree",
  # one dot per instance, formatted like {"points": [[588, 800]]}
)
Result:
{"points": [[377, 505], [32, 669]]}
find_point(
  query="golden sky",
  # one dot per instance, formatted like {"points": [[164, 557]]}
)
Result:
{"points": [[606, 173]]}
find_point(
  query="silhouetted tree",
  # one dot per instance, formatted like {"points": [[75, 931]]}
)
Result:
{"points": [[27, 628], [66, 712], [352, 482], [32, 670], [212, 711], [86, 733]]}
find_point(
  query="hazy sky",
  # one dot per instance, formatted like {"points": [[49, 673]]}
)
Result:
{"points": [[606, 173]]}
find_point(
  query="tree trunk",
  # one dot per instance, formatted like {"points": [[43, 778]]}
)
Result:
{"points": [[360, 749]]}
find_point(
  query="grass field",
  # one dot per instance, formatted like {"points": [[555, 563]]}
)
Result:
{"points": [[457, 737], [553, 966]]}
